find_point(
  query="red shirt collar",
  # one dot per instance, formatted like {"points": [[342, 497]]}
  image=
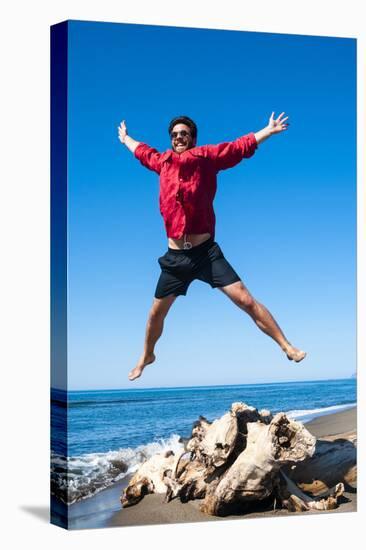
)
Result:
{"points": [[166, 156]]}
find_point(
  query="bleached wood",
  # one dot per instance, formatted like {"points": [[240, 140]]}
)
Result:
{"points": [[247, 456]]}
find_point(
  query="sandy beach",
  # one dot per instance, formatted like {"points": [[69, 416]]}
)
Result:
{"points": [[152, 510]]}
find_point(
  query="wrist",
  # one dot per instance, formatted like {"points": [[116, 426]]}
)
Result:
{"points": [[269, 131]]}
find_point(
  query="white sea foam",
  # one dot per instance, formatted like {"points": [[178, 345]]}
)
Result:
{"points": [[306, 415], [79, 477]]}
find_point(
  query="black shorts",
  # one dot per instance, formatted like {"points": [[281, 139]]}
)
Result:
{"points": [[205, 262]]}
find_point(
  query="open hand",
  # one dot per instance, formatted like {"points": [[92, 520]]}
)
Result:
{"points": [[122, 131], [277, 125]]}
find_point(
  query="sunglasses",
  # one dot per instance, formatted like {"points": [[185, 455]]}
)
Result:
{"points": [[182, 133]]}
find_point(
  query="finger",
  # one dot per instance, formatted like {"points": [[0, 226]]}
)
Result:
{"points": [[284, 120], [279, 118], [280, 128], [272, 115]]}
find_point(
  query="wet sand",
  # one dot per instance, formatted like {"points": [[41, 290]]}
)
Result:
{"points": [[152, 510]]}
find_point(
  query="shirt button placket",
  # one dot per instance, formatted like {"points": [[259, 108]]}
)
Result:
{"points": [[179, 193], [179, 197]]}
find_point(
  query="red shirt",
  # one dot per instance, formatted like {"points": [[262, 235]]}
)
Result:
{"points": [[188, 182]]}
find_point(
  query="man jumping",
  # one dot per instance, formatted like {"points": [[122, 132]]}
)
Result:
{"points": [[187, 190]]}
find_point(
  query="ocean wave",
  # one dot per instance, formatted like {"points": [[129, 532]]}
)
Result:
{"points": [[305, 415], [79, 477]]}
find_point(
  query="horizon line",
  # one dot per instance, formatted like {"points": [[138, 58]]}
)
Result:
{"points": [[352, 376]]}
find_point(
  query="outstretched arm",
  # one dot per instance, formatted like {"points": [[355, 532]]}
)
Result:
{"points": [[275, 126], [226, 155], [148, 156], [124, 138]]}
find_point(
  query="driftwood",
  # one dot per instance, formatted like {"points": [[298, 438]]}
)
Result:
{"points": [[247, 456], [149, 478], [295, 500], [334, 461]]}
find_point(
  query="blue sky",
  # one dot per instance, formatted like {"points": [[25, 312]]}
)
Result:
{"points": [[286, 218]]}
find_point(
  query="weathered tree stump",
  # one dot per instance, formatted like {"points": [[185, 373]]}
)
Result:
{"points": [[252, 476], [248, 456]]}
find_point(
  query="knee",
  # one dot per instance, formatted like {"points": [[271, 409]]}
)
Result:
{"points": [[156, 314], [246, 301]]}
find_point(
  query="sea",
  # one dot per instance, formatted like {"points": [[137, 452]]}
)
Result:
{"points": [[100, 437]]}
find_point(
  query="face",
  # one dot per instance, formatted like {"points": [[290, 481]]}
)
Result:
{"points": [[181, 138]]}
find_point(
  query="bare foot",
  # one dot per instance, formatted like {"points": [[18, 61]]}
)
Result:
{"points": [[143, 362], [294, 354]]}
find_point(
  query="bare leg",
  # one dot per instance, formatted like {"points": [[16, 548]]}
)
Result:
{"points": [[154, 329], [240, 295]]}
